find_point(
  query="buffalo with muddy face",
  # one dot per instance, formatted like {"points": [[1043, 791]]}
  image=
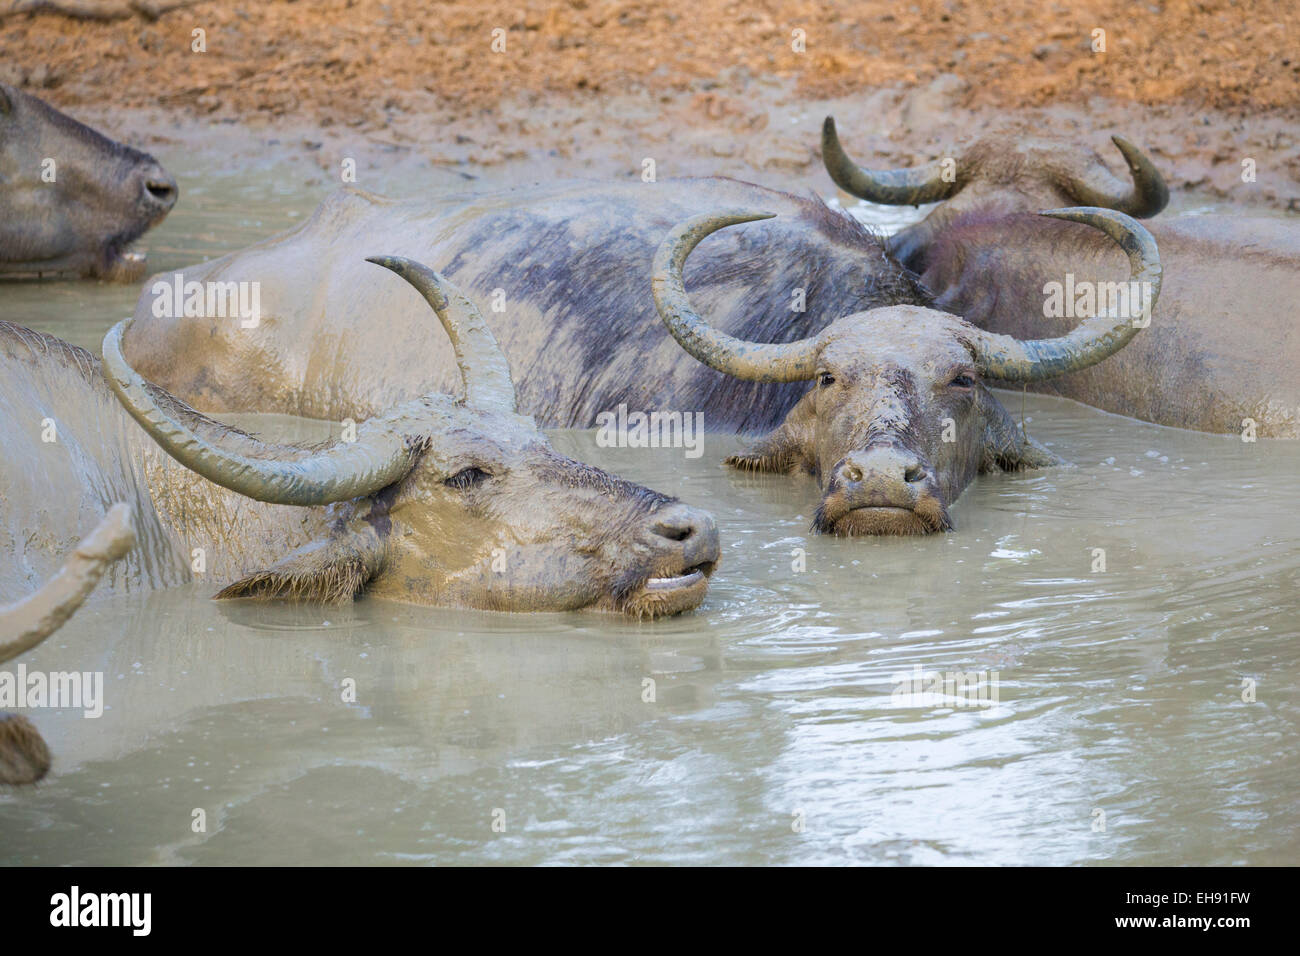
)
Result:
{"points": [[559, 271], [455, 502], [24, 757], [72, 200], [997, 174], [900, 418]]}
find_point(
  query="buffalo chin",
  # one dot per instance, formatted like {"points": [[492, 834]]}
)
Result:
{"points": [[664, 595], [888, 521], [112, 264], [124, 266]]}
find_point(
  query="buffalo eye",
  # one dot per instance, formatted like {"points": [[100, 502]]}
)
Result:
{"points": [[962, 380], [466, 478], [825, 379]]}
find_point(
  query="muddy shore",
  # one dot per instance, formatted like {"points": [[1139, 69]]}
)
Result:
{"points": [[593, 88]]}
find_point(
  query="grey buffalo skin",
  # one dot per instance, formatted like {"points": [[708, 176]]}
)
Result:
{"points": [[1221, 355], [104, 196], [24, 756], [440, 501]]}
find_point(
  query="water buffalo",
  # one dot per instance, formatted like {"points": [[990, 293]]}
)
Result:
{"points": [[24, 757], [569, 263], [561, 272], [1223, 356], [998, 173], [72, 200], [457, 502], [900, 418]]}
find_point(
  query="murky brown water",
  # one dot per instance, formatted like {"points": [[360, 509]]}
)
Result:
{"points": [[775, 734]]}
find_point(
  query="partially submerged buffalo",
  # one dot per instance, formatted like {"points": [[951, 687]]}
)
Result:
{"points": [[72, 200], [560, 271], [569, 265], [998, 173], [900, 418], [457, 502], [24, 757], [1223, 356]]}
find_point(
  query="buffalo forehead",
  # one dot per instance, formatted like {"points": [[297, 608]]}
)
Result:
{"points": [[921, 340]]}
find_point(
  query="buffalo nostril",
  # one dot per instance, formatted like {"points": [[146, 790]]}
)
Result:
{"points": [[674, 530], [914, 473], [852, 473], [162, 191]]}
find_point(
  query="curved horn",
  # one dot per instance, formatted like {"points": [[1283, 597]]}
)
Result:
{"points": [[484, 371], [265, 471], [1144, 198], [25, 624], [1095, 338], [893, 187], [791, 362]]}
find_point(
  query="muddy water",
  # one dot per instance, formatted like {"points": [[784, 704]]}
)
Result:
{"points": [[775, 729]]}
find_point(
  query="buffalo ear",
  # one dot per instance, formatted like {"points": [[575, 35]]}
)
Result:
{"points": [[768, 454], [788, 448], [785, 450], [333, 571]]}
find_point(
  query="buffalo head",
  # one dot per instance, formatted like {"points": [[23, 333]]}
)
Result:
{"points": [[447, 501], [997, 174], [900, 418], [72, 200]]}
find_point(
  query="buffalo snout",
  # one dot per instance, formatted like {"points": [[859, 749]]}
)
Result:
{"points": [[884, 489], [879, 477], [687, 533]]}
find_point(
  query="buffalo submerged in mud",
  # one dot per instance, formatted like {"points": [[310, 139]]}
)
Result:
{"points": [[568, 266], [1222, 356], [440, 501], [72, 200]]}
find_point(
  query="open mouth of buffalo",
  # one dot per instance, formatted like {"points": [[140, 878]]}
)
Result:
{"points": [[120, 261], [661, 595]]}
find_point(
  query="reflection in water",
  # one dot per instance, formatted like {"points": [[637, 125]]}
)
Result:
{"points": [[769, 733]]}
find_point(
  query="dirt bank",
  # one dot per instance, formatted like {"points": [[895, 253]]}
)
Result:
{"points": [[701, 86]]}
